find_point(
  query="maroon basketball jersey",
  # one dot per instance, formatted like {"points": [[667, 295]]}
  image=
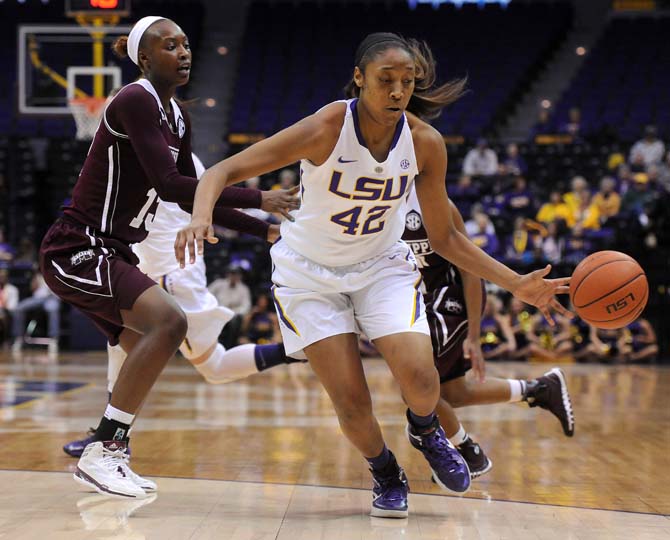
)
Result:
{"points": [[436, 271], [134, 154]]}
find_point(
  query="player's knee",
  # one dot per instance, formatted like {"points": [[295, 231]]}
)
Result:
{"points": [[353, 410], [420, 381], [175, 325]]}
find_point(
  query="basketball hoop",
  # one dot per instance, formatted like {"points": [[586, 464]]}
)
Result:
{"points": [[86, 112]]}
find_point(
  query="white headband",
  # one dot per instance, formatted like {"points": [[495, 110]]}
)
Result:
{"points": [[136, 35]]}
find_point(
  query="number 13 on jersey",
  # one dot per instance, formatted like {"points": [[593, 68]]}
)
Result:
{"points": [[144, 217]]}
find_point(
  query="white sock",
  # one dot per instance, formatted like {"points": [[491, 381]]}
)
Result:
{"points": [[112, 413], [459, 437], [225, 366], [517, 388], [115, 358]]}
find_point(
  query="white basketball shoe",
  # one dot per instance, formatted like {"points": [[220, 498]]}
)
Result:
{"points": [[147, 485], [103, 466]]}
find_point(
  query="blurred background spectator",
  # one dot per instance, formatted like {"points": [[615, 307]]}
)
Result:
{"points": [[649, 150], [481, 160], [41, 299], [260, 324], [555, 210], [7, 252], [231, 292], [512, 164], [9, 299], [607, 201], [574, 124]]}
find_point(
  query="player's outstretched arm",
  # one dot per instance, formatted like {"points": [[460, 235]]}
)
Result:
{"points": [[531, 288], [312, 138]]}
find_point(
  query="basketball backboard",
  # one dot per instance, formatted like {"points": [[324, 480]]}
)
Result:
{"points": [[60, 61]]}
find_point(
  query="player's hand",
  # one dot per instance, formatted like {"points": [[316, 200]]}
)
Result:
{"points": [[472, 350], [281, 201], [533, 289], [193, 238], [273, 233]]}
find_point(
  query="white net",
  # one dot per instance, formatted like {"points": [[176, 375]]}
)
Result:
{"points": [[87, 113]]}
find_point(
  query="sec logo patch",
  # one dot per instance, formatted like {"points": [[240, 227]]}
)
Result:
{"points": [[413, 221]]}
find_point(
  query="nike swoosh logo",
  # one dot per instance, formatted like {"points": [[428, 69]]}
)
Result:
{"points": [[415, 437], [342, 160]]}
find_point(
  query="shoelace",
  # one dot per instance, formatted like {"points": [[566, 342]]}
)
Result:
{"points": [[440, 447], [115, 460], [129, 471], [392, 487]]}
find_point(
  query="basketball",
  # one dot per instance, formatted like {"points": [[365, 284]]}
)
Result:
{"points": [[609, 289]]}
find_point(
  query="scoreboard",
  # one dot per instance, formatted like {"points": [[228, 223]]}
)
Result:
{"points": [[74, 8]]}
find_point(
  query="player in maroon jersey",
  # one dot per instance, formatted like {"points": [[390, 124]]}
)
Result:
{"points": [[454, 304], [141, 151]]}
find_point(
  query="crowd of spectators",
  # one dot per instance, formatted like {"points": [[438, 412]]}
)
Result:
{"points": [[512, 330], [526, 225], [508, 215]]}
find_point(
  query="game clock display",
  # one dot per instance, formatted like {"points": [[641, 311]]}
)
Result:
{"points": [[91, 7]]}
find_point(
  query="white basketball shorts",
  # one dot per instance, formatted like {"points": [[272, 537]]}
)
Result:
{"points": [[206, 318], [379, 297]]}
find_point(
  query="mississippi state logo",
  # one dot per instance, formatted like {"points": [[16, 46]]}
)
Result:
{"points": [[453, 306], [181, 127], [82, 256], [413, 221], [404, 164]]}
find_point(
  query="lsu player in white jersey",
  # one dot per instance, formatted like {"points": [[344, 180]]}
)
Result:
{"points": [[206, 318], [341, 268]]}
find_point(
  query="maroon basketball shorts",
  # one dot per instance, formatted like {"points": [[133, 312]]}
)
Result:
{"points": [[95, 274], [448, 322]]}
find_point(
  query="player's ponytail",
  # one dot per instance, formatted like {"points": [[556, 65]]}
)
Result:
{"points": [[120, 46], [428, 100]]}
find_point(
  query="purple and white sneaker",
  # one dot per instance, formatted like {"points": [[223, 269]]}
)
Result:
{"points": [[76, 448], [389, 491], [450, 470]]}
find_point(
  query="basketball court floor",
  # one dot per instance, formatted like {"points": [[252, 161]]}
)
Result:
{"points": [[264, 459]]}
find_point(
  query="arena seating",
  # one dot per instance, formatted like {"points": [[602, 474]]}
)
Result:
{"points": [[622, 85], [284, 75]]}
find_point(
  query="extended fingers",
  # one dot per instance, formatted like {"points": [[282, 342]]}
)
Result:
{"points": [[557, 306], [191, 246], [292, 202], [179, 248], [290, 199], [560, 282], [543, 272], [547, 315], [285, 213]]}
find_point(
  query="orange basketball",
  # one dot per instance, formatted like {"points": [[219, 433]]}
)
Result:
{"points": [[609, 289]]}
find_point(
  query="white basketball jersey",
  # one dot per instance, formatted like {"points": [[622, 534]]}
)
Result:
{"points": [[156, 251], [352, 206]]}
